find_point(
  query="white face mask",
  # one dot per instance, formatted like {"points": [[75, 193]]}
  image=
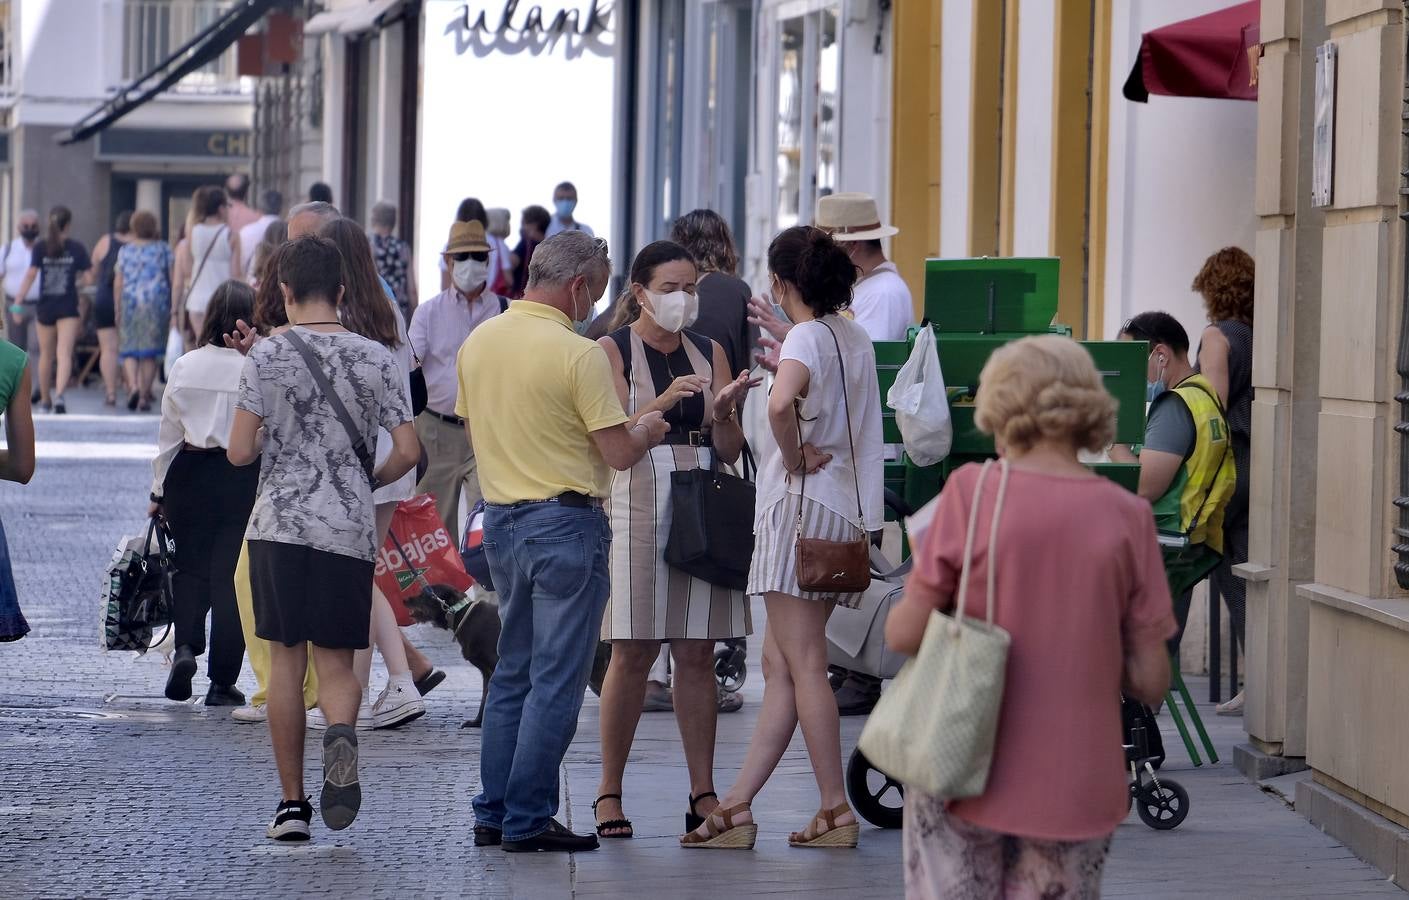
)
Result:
{"points": [[674, 311], [470, 275]]}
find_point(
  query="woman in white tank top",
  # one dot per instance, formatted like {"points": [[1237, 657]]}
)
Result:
{"points": [[214, 255]]}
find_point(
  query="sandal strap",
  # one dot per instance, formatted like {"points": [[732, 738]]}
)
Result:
{"points": [[616, 797], [704, 796]]}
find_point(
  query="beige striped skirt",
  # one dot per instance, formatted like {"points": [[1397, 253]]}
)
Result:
{"points": [[774, 566]]}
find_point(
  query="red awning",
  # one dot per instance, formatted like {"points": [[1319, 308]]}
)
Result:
{"points": [[1213, 55]]}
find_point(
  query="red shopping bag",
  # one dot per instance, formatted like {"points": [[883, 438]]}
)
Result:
{"points": [[418, 553]]}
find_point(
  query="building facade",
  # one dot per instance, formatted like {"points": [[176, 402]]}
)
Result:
{"points": [[62, 58]]}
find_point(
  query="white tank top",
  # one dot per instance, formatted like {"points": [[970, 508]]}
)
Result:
{"points": [[216, 270]]}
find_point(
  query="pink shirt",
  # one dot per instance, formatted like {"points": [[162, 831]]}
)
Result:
{"points": [[1079, 582]]}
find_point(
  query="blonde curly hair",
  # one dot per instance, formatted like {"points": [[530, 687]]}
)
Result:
{"points": [[1044, 387]]}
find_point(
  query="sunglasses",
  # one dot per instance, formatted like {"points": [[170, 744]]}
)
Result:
{"points": [[477, 256]]}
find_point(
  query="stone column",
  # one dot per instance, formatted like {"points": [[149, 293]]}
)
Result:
{"points": [[1284, 440]]}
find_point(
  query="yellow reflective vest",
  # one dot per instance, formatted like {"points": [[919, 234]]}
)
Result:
{"points": [[1193, 506]]}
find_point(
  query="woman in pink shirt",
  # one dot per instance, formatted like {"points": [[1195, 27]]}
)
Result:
{"points": [[1080, 587]]}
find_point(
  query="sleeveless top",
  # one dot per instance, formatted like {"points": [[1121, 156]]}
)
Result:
{"points": [[1239, 411], [688, 414], [216, 271], [107, 271], [1193, 506]]}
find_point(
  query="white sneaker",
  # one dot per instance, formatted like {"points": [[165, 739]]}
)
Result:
{"points": [[317, 721], [250, 714], [398, 704]]}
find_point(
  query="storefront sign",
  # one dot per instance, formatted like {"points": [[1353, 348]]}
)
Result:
{"points": [[513, 26], [1323, 135], [161, 144]]}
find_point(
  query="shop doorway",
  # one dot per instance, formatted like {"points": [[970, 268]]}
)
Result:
{"points": [[806, 97]]}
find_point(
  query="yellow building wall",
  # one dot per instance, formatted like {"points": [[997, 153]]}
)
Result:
{"points": [[915, 183]]}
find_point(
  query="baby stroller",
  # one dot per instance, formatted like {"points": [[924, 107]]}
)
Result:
{"points": [[1160, 803]]}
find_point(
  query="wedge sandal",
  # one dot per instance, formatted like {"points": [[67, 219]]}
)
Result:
{"points": [[722, 833], [835, 836]]}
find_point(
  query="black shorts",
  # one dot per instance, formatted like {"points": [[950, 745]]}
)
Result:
{"points": [[52, 309], [104, 314], [302, 594]]}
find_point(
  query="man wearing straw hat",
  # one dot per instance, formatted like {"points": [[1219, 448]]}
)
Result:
{"points": [[881, 302]]}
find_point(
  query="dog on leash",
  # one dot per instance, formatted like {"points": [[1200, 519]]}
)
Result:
{"points": [[473, 622]]}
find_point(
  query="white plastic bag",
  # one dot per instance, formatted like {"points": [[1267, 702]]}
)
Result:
{"points": [[175, 346], [921, 403]]}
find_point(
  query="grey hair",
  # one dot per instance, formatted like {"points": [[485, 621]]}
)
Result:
{"points": [[565, 256], [384, 215], [326, 212], [28, 214]]}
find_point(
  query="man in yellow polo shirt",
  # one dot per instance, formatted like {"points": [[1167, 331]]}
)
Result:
{"points": [[543, 415]]}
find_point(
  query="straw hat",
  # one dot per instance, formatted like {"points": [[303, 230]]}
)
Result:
{"points": [[852, 217], [467, 237]]}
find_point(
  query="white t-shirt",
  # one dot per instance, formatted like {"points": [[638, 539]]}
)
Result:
{"points": [[16, 262], [881, 304], [250, 236], [556, 226], [210, 270], [824, 423]]}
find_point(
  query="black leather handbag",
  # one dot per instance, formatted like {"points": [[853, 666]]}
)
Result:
{"points": [[711, 524]]}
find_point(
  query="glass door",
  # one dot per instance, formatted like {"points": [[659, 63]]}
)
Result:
{"points": [[807, 102]]}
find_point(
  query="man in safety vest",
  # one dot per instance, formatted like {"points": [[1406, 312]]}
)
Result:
{"points": [[1186, 463]]}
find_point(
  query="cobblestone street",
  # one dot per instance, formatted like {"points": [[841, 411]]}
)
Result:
{"points": [[107, 789]]}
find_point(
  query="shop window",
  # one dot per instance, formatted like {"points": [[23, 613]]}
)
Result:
{"points": [[807, 104]]}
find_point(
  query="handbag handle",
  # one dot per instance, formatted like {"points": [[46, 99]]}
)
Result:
{"points": [[851, 442], [1004, 469]]}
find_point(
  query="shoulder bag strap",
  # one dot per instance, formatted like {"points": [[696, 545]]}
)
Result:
{"points": [[320, 379], [1004, 468], [205, 256]]}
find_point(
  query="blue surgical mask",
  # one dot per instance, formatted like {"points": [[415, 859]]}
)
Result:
{"points": [[1153, 389], [564, 207]]}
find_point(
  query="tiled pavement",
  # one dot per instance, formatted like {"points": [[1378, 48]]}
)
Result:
{"points": [[108, 790]]}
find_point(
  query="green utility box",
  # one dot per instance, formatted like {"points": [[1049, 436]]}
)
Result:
{"points": [[976, 306]]}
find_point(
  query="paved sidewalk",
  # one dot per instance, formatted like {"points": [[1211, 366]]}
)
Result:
{"points": [[106, 789]]}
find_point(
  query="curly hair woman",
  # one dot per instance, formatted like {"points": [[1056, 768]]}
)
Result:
{"points": [[825, 414], [1079, 586], [1225, 359]]}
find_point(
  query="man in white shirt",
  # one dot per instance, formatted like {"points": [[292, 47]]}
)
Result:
{"points": [[880, 302], [19, 320], [271, 205], [564, 203], [438, 328]]}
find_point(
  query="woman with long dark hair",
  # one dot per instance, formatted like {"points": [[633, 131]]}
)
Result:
{"points": [[659, 365], [105, 252], [205, 499], [825, 414], [58, 262], [370, 310]]}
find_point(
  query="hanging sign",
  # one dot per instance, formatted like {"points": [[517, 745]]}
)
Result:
{"points": [[513, 26]]}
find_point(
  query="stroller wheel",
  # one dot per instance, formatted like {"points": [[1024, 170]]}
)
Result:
{"points": [[876, 797], [731, 667], [1164, 807]]}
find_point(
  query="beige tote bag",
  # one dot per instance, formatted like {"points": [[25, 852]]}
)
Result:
{"points": [[933, 729]]}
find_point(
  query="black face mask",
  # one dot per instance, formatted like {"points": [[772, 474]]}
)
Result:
{"points": [[29, 234]]}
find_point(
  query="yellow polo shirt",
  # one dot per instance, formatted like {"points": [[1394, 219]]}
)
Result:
{"points": [[532, 389]]}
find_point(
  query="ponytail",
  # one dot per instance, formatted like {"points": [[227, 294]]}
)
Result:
{"points": [[59, 218]]}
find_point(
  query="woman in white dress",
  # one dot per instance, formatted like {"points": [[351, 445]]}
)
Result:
{"points": [[215, 255], [660, 366]]}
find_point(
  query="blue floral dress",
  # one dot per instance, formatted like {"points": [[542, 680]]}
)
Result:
{"points": [[146, 299]]}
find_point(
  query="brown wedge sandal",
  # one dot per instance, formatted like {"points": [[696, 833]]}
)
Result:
{"points": [[723, 834], [835, 836]]}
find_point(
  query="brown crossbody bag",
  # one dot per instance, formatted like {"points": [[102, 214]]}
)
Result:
{"points": [[833, 567]]}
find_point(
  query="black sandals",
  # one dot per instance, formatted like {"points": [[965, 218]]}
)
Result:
{"points": [[622, 826]]}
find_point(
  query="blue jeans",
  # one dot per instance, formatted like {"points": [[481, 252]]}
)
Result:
{"points": [[549, 564]]}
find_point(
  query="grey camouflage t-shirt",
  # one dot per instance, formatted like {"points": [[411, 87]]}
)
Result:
{"points": [[312, 490]]}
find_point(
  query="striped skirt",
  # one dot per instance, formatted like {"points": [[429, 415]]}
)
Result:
{"points": [[774, 566], [650, 600]]}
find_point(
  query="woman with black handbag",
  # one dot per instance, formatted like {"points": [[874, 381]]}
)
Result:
{"points": [[818, 497], [660, 366]]}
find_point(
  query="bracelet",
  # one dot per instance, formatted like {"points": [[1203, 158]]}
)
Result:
{"points": [[732, 413]]}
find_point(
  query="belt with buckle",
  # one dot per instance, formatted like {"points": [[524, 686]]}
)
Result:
{"points": [[687, 438], [570, 499], [451, 420]]}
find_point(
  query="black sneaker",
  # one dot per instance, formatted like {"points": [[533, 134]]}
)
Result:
{"points": [[183, 669], [59, 407], [488, 836], [342, 795], [291, 821]]}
